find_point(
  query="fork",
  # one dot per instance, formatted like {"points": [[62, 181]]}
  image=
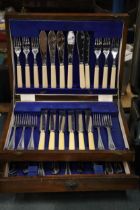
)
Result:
{"points": [[106, 51], [26, 50], [114, 51], [17, 48], [33, 124], [97, 123], [97, 50], [11, 145], [35, 46], [24, 121], [107, 123]]}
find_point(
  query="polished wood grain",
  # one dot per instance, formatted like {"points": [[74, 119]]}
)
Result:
{"points": [[95, 155], [68, 183]]}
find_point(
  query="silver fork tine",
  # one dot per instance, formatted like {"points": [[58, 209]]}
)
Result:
{"points": [[97, 123], [23, 123], [11, 145], [108, 125], [33, 124]]}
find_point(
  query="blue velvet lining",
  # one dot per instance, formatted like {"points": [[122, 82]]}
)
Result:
{"points": [[110, 29], [95, 107], [31, 169]]}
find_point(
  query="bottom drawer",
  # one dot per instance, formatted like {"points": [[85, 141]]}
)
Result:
{"points": [[100, 181]]}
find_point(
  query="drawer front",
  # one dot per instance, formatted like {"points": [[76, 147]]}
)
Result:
{"points": [[68, 183]]}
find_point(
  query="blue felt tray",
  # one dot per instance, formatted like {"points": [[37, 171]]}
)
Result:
{"points": [[101, 28], [95, 107]]}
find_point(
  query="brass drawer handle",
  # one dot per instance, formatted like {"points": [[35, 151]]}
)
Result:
{"points": [[71, 184]]}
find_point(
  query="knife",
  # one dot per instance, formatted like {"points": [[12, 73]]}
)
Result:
{"points": [[62, 121], [43, 51], [60, 46], [80, 130], [71, 129], [52, 128], [43, 126], [89, 129], [80, 38], [71, 43], [52, 49], [86, 59]]}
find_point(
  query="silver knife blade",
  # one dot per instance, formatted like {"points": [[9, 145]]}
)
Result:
{"points": [[71, 122], [71, 43], [88, 121], [62, 119], [86, 47], [79, 122], [60, 38], [43, 121], [80, 38], [52, 45], [43, 45], [52, 121]]}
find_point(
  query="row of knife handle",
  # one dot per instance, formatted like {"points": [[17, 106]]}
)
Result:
{"points": [[61, 145], [84, 77]]}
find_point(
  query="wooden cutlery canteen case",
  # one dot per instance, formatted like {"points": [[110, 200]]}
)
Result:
{"points": [[66, 130]]}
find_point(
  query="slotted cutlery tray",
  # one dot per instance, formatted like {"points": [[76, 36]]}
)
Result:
{"points": [[65, 73]]}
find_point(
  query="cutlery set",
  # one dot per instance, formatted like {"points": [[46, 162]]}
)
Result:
{"points": [[70, 127], [65, 168], [51, 45]]}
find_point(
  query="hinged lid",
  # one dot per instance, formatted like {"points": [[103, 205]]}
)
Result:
{"points": [[94, 68]]}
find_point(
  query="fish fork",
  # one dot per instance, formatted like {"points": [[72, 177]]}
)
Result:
{"points": [[17, 48], [24, 121], [107, 123], [11, 145], [97, 123], [26, 50], [35, 46], [114, 51], [33, 124], [97, 50], [106, 51]]}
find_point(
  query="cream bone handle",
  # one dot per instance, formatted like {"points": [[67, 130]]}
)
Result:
{"points": [[96, 77], [19, 77], [91, 141], [44, 76], [61, 145], [81, 141], [82, 75], [51, 145], [62, 76], [87, 76], [113, 77], [41, 145], [36, 76], [71, 141], [27, 76], [105, 77], [70, 76], [53, 76]]}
